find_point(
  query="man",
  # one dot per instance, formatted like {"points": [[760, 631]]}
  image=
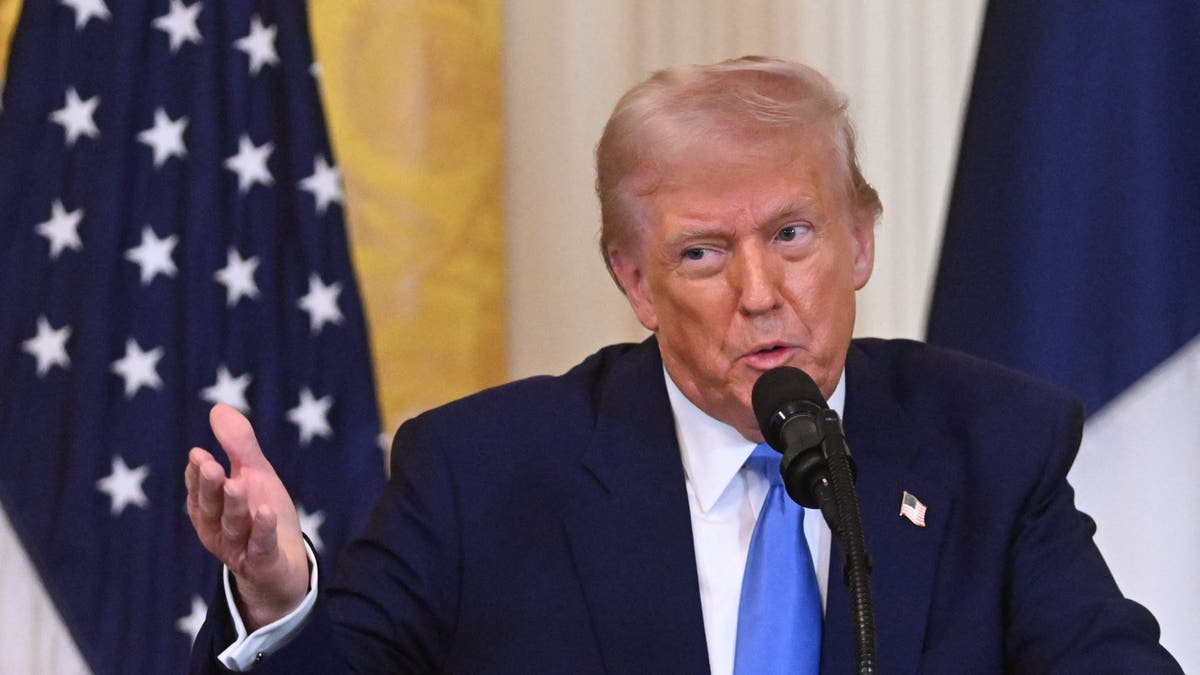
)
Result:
{"points": [[601, 521]]}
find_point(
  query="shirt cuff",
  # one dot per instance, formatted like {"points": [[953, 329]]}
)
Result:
{"points": [[248, 649]]}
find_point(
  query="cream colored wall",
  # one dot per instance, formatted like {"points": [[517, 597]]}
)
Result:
{"points": [[904, 65]]}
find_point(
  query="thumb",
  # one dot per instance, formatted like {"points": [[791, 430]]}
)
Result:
{"points": [[236, 436]]}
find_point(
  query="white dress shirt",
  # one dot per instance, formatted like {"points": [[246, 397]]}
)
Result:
{"points": [[248, 648], [724, 499]]}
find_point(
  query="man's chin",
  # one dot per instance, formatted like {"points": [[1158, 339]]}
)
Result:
{"points": [[746, 423], [825, 380]]}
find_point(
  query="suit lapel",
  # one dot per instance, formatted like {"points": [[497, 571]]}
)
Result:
{"points": [[891, 459], [630, 530]]}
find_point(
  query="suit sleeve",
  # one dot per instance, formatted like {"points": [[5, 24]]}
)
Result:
{"points": [[1065, 612], [393, 602]]}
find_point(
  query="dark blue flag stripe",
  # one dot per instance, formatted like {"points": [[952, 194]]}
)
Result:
{"points": [[171, 237], [1073, 234]]}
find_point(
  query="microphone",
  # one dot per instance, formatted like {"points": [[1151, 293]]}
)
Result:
{"points": [[797, 422], [818, 472]]}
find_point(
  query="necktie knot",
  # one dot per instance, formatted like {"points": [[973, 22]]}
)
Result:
{"points": [[765, 460]]}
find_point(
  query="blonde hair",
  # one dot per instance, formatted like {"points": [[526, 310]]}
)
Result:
{"points": [[751, 97]]}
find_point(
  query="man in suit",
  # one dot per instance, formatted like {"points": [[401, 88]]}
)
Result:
{"points": [[601, 521]]}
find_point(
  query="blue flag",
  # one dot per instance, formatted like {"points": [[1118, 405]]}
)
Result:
{"points": [[1072, 251], [171, 236]]}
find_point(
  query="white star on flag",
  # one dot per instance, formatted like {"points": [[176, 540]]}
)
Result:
{"points": [[250, 163], [321, 303], [325, 184], [85, 10], [238, 277], [310, 417], [124, 485], [310, 524], [62, 230], [75, 117], [49, 346], [229, 390], [138, 368], [190, 624], [913, 509], [179, 23], [165, 137], [153, 255], [259, 45]]}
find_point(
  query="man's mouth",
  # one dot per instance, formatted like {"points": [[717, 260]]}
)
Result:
{"points": [[767, 356]]}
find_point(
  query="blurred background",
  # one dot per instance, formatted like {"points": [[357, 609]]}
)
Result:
{"points": [[464, 131]]}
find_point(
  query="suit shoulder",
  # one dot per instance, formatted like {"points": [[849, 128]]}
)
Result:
{"points": [[538, 404], [530, 428], [576, 386], [995, 420], [922, 376]]}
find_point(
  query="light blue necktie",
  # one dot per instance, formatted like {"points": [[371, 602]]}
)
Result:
{"points": [[779, 616]]}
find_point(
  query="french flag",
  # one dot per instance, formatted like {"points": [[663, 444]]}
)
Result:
{"points": [[1072, 251]]}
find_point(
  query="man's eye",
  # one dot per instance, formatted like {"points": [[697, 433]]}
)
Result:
{"points": [[694, 253], [790, 233]]}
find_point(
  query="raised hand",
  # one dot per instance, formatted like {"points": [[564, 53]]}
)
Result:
{"points": [[247, 520]]}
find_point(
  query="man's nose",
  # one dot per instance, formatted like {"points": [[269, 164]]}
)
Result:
{"points": [[756, 280]]}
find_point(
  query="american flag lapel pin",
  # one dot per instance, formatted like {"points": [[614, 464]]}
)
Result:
{"points": [[913, 509]]}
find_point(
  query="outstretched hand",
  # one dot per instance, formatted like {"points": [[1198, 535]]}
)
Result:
{"points": [[247, 520]]}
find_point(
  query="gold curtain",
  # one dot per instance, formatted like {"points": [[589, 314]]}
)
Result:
{"points": [[9, 11], [412, 92]]}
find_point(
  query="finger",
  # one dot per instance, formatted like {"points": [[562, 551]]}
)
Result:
{"points": [[236, 436], [212, 498], [264, 540], [191, 479], [191, 474], [235, 515], [199, 456]]}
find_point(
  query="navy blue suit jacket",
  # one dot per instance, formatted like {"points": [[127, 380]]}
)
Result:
{"points": [[543, 526]]}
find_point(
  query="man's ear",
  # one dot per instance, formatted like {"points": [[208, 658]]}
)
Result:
{"points": [[862, 234], [629, 273]]}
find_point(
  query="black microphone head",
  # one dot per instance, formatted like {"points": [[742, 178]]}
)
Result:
{"points": [[777, 388]]}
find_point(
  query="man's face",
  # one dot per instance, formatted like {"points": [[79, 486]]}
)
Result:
{"points": [[749, 260]]}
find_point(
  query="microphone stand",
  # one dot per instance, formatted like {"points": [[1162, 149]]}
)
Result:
{"points": [[825, 470], [856, 563]]}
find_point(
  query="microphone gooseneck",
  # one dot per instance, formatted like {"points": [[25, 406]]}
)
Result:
{"points": [[819, 472]]}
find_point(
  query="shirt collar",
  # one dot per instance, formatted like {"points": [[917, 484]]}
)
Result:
{"points": [[713, 451]]}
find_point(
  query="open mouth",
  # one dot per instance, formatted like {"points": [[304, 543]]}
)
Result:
{"points": [[768, 356], [770, 350]]}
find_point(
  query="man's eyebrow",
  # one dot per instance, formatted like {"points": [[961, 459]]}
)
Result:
{"points": [[713, 230], [800, 206], [701, 229]]}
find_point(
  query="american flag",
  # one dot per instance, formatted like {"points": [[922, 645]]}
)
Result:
{"points": [[913, 509], [171, 232]]}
